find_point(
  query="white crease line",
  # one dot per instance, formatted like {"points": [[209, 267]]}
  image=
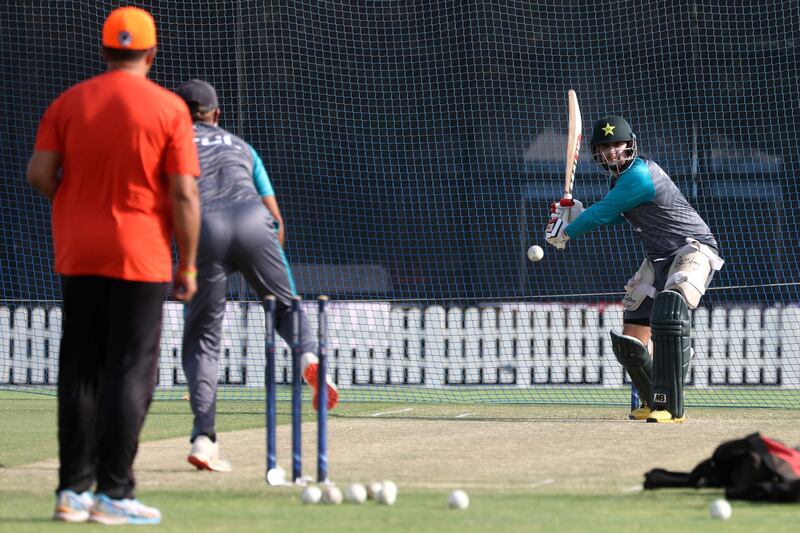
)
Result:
{"points": [[464, 415], [635, 488], [543, 483], [393, 412]]}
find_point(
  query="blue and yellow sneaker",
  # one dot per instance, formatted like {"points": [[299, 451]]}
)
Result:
{"points": [[662, 416], [116, 512], [73, 507], [640, 413]]}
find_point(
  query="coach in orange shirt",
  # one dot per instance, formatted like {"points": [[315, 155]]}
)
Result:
{"points": [[128, 165]]}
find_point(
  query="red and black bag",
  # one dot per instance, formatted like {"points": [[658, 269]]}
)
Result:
{"points": [[754, 468]]}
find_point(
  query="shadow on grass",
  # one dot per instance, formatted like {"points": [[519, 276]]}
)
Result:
{"points": [[28, 520]]}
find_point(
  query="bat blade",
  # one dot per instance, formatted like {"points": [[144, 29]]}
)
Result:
{"points": [[573, 142]]}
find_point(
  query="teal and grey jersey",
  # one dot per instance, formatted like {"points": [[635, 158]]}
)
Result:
{"points": [[237, 234], [233, 173], [645, 196]]}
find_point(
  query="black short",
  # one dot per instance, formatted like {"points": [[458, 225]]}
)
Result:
{"points": [[641, 321]]}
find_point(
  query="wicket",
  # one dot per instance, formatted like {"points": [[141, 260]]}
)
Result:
{"points": [[274, 475]]}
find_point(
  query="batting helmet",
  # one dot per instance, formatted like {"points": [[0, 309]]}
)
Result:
{"points": [[613, 129]]}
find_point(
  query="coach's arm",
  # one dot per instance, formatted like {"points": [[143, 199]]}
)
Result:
{"points": [[43, 172]]}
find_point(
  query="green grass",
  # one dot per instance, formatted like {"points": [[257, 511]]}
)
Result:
{"points": [[29, 435], [277, 510], [730, 396], [746, 397], [33, 419]]}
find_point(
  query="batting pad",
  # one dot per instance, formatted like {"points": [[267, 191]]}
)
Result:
{"points": [[633, 356], [672, 350]]}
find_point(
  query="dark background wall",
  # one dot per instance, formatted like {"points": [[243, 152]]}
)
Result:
{"points": [[427, 137]]}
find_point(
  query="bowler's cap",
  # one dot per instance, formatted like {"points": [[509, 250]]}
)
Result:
{"points": [[199, 95]]}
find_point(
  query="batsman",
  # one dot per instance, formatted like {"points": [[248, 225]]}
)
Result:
{"points": [[682, 256]]}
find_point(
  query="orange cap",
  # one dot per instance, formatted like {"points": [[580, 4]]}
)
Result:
{"points": [[129, 28]]}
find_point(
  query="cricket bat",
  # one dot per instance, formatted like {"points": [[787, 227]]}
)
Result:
{"points": [[573, 142]]}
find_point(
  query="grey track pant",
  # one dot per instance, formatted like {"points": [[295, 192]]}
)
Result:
{"points": [[241, 239]]}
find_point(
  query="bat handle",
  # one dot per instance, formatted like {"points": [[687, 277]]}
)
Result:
{"points": [[567, 195]]}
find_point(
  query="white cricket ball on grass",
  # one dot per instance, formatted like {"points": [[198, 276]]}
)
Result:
{"points": [[388, 493], [276, 476], [373, 490], [720, 509], [535, 253], [311, 494], [331, 495], [458, 499], [355, 493]]}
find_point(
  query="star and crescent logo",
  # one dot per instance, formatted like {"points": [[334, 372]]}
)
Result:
{"points": [[609, 129]]}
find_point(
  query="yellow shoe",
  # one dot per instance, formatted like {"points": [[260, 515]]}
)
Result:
{"points": [[640, 413], [664, 417]]}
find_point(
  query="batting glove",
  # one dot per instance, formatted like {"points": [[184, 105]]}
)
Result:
{"points": [[566, 209], [555, 233]]}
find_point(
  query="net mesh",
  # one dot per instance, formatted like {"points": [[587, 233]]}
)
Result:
{"points": [[414, 147]]}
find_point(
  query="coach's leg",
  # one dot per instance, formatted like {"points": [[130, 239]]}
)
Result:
{"points": [[80, 364], [672, 353], [134, 316]]}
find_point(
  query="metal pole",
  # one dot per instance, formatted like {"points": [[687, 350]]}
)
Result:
{"points": [[322, 394], [269, 307], [297, 394]]}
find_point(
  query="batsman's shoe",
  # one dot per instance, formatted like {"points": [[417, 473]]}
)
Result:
{"points": [[73, 507], [640, 413], [663, 416], [205, 455], [113, 512], [310, 370]]}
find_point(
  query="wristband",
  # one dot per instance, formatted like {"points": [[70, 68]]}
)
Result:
{"points": [[189, 273]]}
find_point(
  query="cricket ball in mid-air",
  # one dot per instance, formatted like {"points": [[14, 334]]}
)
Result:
{"points": [[535, 253], [720, 509], [458, 499]]}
